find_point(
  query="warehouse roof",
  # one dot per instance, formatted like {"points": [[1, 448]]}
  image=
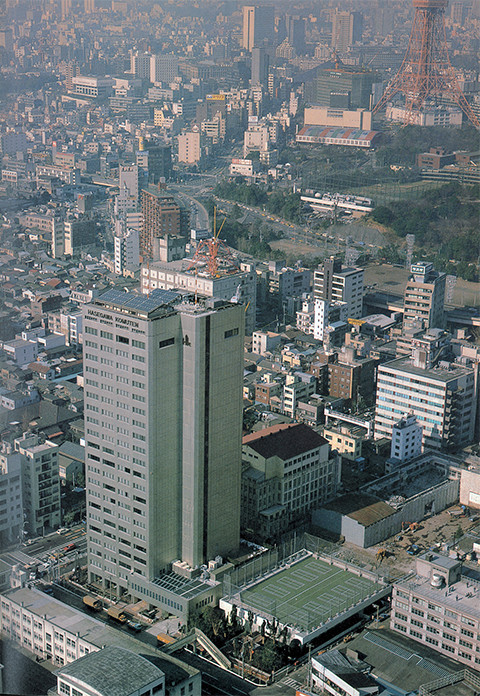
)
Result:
{"points": [[365, 509], [113, 671]]}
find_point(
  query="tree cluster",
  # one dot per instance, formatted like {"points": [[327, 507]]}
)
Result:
{"points": [[445, 225], [216, 626], [280, 203], [402, 146]]}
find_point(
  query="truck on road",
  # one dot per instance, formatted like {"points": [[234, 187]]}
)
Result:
{"points": [[117, 614], [92, 603]]}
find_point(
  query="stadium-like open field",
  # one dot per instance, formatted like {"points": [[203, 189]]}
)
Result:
{"points": [[308, 593]]}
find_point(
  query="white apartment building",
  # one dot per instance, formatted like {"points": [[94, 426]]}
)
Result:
{"points": [[440, 607], [176, 275], [298, 387], [189, 147], [325, 314], [65, 174], [334, 283], [40, 482], [20, 351], [126, 251], [256, 138], [68, 323], [11, 503], [406, 439], [306, 317], [443, 400]]}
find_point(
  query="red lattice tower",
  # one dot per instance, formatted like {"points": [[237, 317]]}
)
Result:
{"points": [[426, 71], [214, 252]]}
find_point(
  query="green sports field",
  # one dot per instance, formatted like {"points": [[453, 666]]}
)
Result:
{"points": [[308, 593]]}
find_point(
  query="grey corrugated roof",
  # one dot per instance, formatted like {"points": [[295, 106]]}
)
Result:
{"points": [[112, 671], [73, 450], [365, 509]]}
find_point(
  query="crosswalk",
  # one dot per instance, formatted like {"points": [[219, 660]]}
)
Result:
{"points": [[288, 681]]}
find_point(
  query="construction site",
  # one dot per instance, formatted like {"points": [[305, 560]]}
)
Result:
{"points": [[381, 509]]}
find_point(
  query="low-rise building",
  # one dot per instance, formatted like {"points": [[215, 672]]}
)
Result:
{"points": [[381, 509], [470, 486], [111, 669], [345, 440], [439, 606], [243, 167], [287, 470], [264, 342], [20, 351], [334, 673], [71, 461], [51, 630], [267, 387]]}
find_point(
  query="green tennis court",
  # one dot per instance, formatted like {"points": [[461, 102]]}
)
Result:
{"points": [[308, 593]]}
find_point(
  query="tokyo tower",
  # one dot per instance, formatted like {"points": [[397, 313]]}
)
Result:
{"points": [[426, 72]]}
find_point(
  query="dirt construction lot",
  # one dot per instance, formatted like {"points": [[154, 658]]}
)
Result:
{"points": [[438, 529]]}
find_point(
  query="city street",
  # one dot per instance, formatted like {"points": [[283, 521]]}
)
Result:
{"points": [[21, 674]]}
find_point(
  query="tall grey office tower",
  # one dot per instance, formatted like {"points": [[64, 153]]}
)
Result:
{"points": [[163, 415], [259, 66]]}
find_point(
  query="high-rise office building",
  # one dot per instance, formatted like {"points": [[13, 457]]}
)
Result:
{"points": [[65, 8], [258, 25], [140, 64], [163, 68], [163, 414], [295, 31], [348, 87], [128, 179], [333, 282], [162, 216], [347, 28], [424, 296], [259, 66]]}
